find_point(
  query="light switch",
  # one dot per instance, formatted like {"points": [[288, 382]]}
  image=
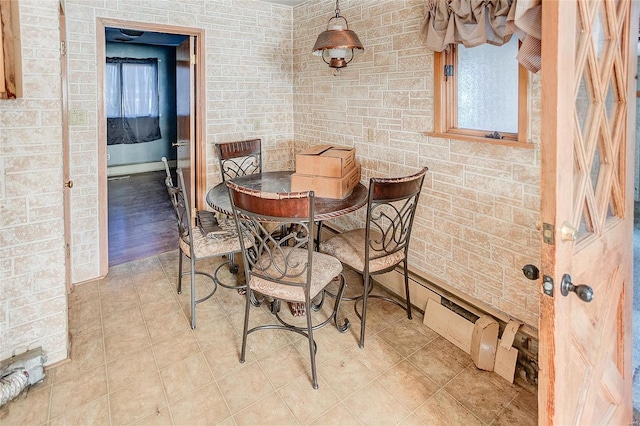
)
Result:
{"points": [[82, 116], [77, 117]]}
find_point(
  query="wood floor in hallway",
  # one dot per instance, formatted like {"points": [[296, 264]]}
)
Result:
{"points": [[141, 219]]}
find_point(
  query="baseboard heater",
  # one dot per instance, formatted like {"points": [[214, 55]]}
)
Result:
{"points": [[465, 324], [522, 337], [130, 169]]}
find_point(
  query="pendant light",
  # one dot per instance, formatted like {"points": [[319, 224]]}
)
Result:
{"points": [[337, 43]]}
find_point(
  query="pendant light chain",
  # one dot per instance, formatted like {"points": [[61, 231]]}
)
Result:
{"points": [[337, 9]]}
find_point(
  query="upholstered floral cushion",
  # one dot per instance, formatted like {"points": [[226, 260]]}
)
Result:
{"points": [[348, 247], [325, 268], [214, 244]]}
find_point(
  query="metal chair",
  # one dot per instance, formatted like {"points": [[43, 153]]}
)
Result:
{"points": [[196, 245], [284, 267], [167, 170], [239, 158], [383, 243]]}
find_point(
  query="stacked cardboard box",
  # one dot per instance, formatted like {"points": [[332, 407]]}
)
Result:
{"points": [[330, 171]]}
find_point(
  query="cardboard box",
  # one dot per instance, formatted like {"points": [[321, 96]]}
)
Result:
{"points": [[326, 160], [326, 187]]}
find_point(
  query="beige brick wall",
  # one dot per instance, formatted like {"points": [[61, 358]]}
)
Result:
{"points": [[476, 224], [249, 91], [33, 303]]}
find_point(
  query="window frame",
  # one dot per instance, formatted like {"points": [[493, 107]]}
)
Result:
{"points": [[445, 105]]}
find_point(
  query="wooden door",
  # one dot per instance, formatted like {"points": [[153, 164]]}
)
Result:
{"points": [[588, 111], [185, 108]]}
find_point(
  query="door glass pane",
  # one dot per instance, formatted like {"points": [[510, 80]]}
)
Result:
{"points": [[611, 211], [585, 227], [582, 106], [595, 169], [488, 87], [610, 102], [598, 34]]}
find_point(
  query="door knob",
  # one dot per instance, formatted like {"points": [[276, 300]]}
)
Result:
{"points": [[531, 272], [584, 292], [69, 184]]}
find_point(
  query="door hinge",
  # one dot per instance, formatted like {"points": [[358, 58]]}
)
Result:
{"points": [[193, 60], [63, 48], [548, 232]]}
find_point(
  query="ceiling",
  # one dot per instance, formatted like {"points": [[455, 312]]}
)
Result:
{"points": [[145, 37]]}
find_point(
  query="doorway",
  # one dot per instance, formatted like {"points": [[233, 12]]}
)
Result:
{"points": [[125, 165], [141, 65]]}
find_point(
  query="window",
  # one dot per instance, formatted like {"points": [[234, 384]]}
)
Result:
{"points": [[481, 94], [132, 100]]}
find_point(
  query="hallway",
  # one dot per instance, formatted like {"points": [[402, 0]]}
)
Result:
{"points": [[141, 219]]}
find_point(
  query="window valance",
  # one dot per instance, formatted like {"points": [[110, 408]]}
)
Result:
{"points": [[474, 22]]}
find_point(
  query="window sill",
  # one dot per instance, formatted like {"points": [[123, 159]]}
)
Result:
{"points": [[503, 142]]}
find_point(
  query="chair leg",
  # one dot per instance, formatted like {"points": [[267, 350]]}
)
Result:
{"points": [[193, 293], [233, 266], [406, 288], [180, 273], [245, 328], [318, 235], [366, 281], [336, 307], [312, 352]]}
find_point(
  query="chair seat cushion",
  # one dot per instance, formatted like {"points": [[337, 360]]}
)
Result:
{"points": [[214, 244], [349, 246], [325, 268]]}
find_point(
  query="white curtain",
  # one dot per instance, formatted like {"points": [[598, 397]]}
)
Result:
{"points": [[132, 100]]}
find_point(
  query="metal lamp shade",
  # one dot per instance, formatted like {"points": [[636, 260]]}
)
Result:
{"points": [[336, 44]]}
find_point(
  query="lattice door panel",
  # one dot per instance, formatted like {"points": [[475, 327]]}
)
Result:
{"points": [[600, 115]]}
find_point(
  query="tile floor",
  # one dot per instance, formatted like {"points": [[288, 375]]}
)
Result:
{"points": [[135, 360]]}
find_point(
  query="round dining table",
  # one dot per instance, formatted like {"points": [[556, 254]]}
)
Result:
{"points": [[325, 208]]}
